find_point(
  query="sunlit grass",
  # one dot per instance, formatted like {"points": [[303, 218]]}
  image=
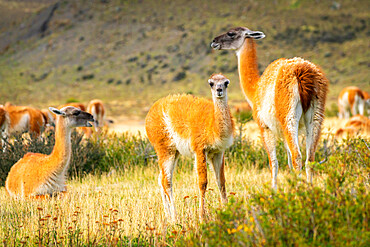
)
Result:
{"points": [[117, 205], [124, 206]]}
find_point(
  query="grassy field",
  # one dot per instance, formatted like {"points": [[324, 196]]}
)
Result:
{"points": [[113, 199], [129, 54], [119, 206]]}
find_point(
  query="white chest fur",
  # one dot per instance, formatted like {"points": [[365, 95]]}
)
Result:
{"points": [[55, 183], [267, 113], [181, 144]]}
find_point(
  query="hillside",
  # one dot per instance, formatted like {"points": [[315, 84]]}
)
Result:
{"points": [[130, 53]]}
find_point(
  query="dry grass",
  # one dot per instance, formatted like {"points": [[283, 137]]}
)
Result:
{"points": [[127, 206], [117, 205], [250, 129]]}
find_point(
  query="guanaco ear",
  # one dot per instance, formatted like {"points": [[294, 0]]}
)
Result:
{"points": [[254, 34], [226, 83], [210, 82], [56, 111]]}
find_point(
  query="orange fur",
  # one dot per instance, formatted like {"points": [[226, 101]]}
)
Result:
{"points": [[358, 118], [39, 174], [287, 91], [350, 100], [25, 118], [186, 124], [96, 108], [3, 114], [358, 124], [249, 74]]}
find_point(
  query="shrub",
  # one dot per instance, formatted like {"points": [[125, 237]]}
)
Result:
{"points": [[126, 150], [333, 214], [72, 100], [87, 156]]}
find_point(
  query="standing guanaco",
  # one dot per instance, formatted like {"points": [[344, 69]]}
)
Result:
{"points": [[195, 127]]}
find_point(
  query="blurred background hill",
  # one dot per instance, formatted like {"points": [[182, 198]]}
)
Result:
{"points": [[130, 53]]}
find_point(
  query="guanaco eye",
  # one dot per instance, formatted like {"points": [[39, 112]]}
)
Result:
{"points": [[227, 83], [231, 34], [211, 84], [76, 113]]}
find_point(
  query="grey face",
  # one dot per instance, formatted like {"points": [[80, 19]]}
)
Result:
{"points": [[218, 84], [234, 38], [73, 116]]}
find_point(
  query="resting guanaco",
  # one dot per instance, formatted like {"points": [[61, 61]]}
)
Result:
{"points": [[40, 174]]}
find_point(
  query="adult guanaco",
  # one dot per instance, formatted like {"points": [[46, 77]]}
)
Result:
{"points": [[358, 124], [39, 174], [25, 119], [290, 94], [96, 108], [351, 100], [195, 127]]}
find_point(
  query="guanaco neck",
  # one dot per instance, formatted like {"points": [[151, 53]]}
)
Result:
{"points": [[248, 69], [222, 117], [61, 153]]}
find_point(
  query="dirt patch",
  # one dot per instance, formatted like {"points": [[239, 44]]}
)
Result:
{"points": [[133, 125], [136, 125]]}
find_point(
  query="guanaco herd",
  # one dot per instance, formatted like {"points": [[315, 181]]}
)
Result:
{"points": [[20, 119], [288, 97]]}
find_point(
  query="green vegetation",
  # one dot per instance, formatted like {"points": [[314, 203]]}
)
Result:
{"points": [[335, 213], [121, 205]]}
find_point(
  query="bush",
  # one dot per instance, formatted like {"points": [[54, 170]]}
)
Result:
{"points": [[87, 156], [72, 100], [334, 214], [125, 150]]}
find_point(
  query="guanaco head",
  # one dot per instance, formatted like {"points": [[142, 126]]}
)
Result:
{"points": [[218, 83], [73, 117], [234, 38]]}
